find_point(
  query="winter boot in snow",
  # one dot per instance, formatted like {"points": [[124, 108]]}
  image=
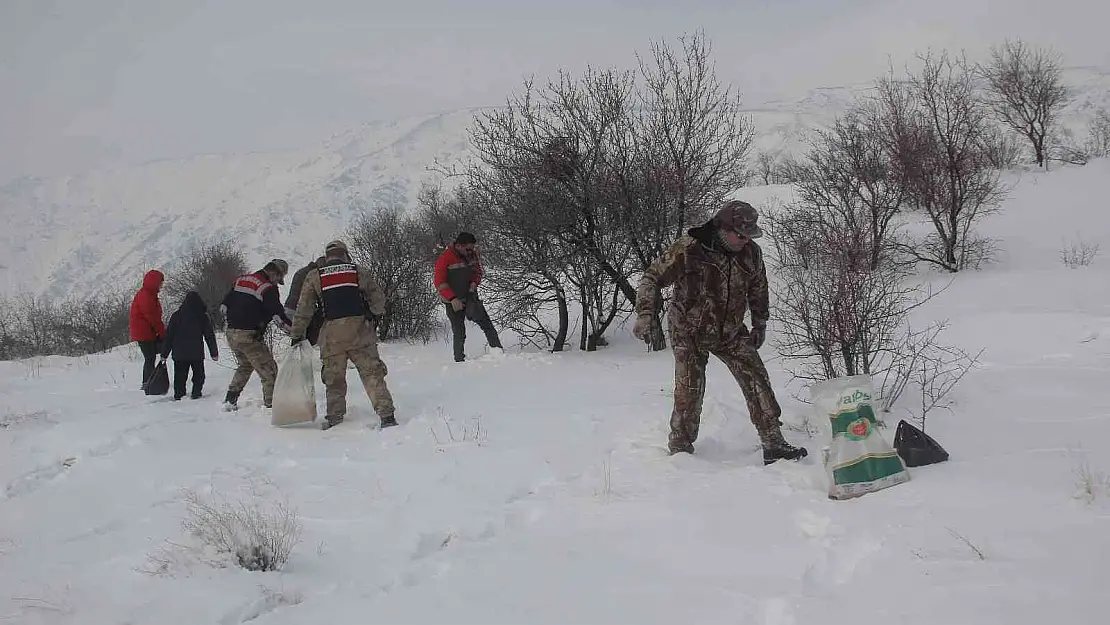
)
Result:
{"points": [[775, 448], [329, 423], [389, 421], [231, 401], [680, 448]]}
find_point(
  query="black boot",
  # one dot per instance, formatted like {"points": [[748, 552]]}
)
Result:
{"points": [[775, 448], [232, 400], [389, 421]]}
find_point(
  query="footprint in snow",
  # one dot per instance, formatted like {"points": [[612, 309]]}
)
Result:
{"points": [[33, 480]]}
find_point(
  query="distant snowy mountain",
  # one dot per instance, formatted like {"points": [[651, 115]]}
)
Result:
{"points": [[84, 233]]}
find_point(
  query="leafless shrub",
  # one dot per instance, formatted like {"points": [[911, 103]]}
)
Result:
{"points": [[465, 433], [836, 316], [774, 168], [210, 270], [850, 182], [38, 326], [944, 142], [1098, 135], [251, 536], [387, 243], [1091, 484], [1078, 253], [1004, 151], [918, 360], [1025, 90]]}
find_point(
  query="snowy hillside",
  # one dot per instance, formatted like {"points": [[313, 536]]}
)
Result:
{"points": [[534, 488], [78, 234]]}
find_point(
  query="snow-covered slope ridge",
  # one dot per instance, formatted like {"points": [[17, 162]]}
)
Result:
{"points": [[80, 234]]}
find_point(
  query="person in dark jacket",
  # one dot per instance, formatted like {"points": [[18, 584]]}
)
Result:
{"points": [[312, 333], [146, 324], [250, 306], [189, 329], [458, 272]]}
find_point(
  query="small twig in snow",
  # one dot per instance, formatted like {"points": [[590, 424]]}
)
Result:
{"points": [[978, 552]]}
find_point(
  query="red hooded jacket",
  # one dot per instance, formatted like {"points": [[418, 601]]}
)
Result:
{"points": [[455, 276], [146, 310]]}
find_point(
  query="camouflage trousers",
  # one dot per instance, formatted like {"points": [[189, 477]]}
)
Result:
{"points": [[689, 391], [352, 339], [252, 354]]}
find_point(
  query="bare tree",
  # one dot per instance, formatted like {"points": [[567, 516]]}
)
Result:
{"points": [[701, 135], [38, 326], [600, 300], [850, 181], [556, 139], [1098, 135], [442, 214], [101, 322], [684, 150], [1026, 91], [387, 243], [836, 314], [944, 146], [526, 263], [210, 270]]}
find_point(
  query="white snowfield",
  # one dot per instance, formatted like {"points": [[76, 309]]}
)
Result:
{"points": [[535, 488]]}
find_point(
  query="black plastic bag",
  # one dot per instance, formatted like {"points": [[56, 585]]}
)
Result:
{"points": [[159, 382], [917, 448]]}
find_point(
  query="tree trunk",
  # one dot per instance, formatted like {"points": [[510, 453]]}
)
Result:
{"points": [[564, 320], [585, 320]]}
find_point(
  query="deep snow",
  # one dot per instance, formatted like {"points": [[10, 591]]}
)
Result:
{"points": [[562, 507]]}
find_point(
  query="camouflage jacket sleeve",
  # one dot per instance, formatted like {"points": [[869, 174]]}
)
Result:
{"points": [[661, 274], [758, 297], [373, 293], [306, 304]]}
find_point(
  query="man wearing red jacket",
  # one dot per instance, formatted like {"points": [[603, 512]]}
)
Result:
{"points": [[146, 321], [458, 273]]}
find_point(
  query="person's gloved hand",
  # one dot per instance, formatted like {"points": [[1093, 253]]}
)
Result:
{"points": [[642, 327], [296, 340], [457, 304], [757, 335]]}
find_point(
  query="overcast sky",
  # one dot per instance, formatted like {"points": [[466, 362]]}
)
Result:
{"points": [[87, 83]]}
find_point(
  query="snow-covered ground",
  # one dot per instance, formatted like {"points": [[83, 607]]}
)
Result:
{"points": [[534, 488]]}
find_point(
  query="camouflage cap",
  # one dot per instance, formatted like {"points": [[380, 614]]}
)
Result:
{"points": [[335, 245], [739, 217]]}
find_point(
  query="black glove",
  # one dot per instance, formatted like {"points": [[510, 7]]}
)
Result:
{"points": [[295, 341], [757, 335]]}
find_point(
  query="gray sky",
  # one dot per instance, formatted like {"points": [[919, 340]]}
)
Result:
{"points": [[88, 83]]}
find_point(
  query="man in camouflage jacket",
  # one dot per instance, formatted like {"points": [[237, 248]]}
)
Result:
{"points": [[346, 292], [718, 273]]}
